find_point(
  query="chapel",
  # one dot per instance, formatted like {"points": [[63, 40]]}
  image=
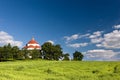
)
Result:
{"points": [[32, 44]]}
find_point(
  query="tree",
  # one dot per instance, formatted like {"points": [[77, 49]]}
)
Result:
{"points": [[35, 53], [7, 54], [51, 52], [1, 53], [21, 55], [66, 56], [25, 53], [77, 56], [47, 50], [15, 51], [41, 54], [57, 52]]}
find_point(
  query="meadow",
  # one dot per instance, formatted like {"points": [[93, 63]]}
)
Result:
{"points": [[59, 70]]}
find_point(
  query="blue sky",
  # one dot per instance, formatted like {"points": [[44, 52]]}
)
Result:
{"points": [[89, 26]]}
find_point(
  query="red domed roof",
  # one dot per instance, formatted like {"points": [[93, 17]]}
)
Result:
{"points": [[32, 41], [32, 44]]}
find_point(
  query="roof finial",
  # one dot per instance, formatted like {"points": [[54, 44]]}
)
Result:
{"points": [[32, 38]]}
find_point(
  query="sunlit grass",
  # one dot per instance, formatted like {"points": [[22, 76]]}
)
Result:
{"points": [[59, 70]]}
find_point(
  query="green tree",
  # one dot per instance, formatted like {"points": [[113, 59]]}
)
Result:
{"points": [[77, 56], [1, 54], [57, 52], [21, 55], [51, 52], [41, 54], [25, 53], [47, 50], [7, 53], [15, 51], [35, 53], [66, 56]]}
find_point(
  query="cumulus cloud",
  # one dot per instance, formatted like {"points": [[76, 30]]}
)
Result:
{"points": [[5, 38], [96, 37], [96, 34], [84, 35], [52, 42], [77, 45], [97, 40], [101, 54], [75, 37], [111, 40], [116, 26]]}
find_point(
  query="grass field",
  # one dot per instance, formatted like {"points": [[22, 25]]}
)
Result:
{"points": [[59, 70]]}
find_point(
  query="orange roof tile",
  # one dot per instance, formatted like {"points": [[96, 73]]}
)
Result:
{"points": [[32, 41]]}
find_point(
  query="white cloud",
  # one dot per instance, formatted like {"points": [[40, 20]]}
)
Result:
{"points": [[116, 26], [96, 34], [97, 40], [52, 42], [99, 45], [73, 37], [111, 40], [100, 54], [5, 38], [84, 35], [96, 37], [77, 45]]}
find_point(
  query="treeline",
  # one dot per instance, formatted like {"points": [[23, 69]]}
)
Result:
{"points": [[48, 52]]}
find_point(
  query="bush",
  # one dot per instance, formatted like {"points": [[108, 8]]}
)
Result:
{"points": [[117, 69]]}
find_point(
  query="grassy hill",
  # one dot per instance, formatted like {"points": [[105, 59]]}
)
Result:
{"points": [[59, 70]]}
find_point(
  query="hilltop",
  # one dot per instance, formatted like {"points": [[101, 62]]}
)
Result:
{"points": [[59, 70]]}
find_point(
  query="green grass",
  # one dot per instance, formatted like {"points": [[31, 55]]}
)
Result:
{"points": [[59, 70]]}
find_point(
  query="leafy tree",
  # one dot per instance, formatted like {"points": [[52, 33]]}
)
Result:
{"points": [[47, 50], [7, 54], [35, 53], [66, 56], [41, 54], [25, 53], [1, 53], [51, 52], [77, 56], [15, 51], [21, 55], [57, 52]]}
